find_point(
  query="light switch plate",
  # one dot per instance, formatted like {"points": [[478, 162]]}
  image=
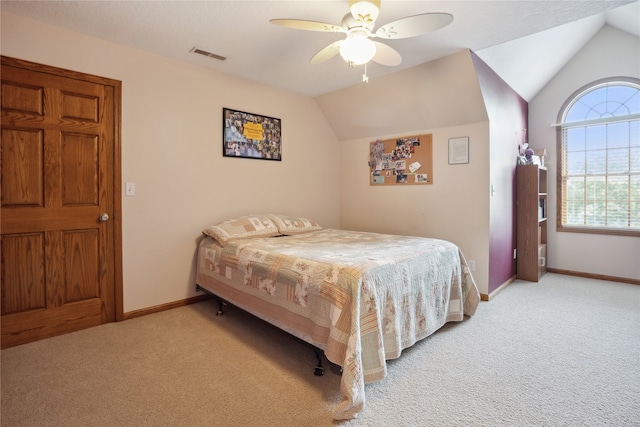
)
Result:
{"points": [[130, 189]]}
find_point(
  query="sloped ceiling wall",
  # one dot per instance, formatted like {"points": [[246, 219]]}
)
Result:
{"points": [[441, 93]]}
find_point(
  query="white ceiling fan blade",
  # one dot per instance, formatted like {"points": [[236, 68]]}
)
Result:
{"points": [[412, 26], [327, 53], [300, 24], [386, 55]]}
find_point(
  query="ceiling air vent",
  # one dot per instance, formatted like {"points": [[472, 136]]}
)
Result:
{"points": [[205, 53]]}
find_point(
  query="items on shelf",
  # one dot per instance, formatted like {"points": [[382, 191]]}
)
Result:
{"points": [[530, 156]]}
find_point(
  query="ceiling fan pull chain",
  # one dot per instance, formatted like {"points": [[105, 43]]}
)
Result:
{"points": [[365, 78]]}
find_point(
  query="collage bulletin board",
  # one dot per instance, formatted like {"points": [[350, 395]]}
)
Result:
{"points": [[401, 161]]}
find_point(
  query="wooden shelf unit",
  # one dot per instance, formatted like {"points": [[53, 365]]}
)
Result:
{"points": [[532, 214]]}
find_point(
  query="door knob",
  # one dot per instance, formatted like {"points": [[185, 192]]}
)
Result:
{"points": [[104, 217]]}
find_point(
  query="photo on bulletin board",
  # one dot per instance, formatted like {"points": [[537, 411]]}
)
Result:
{"points": [[251, 136], [405, 160]]}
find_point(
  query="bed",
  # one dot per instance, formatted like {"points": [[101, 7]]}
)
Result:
{"points": [[359, 297]]}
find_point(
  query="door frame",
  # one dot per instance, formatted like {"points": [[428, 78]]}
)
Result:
{"points": [[117, 164]]}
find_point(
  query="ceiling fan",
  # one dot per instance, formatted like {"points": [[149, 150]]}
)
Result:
{"points": [[357, 47]]}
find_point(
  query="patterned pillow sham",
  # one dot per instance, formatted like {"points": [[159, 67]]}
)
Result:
{"points": [[242, 227], [294, 225]]}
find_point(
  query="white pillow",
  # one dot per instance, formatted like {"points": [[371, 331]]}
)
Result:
{"points": [[242, 227], [294, 225]]}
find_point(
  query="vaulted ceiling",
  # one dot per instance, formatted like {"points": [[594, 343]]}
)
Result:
{"points": [[525, 42]]}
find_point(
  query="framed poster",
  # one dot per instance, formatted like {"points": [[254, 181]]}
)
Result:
{"points": [[251, 136], [459, 150]]}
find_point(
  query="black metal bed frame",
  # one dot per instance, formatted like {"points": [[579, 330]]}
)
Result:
{"points": [[318, 370]]}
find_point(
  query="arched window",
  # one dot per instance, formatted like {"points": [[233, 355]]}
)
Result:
{"points": [[599, 159]]}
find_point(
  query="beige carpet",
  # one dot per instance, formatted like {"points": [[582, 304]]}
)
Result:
{"points": [[562, 352]]}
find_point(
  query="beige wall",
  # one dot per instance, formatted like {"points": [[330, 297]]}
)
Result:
{"points": [[455, 207], [610, 53], [172, 151], [443, 98]]}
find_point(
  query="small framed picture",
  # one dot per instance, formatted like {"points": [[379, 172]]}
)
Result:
{"points": [[459, 150], [251, 136]]}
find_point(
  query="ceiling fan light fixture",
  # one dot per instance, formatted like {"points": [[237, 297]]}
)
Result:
{"points": [[357, 49], [359, 24], [363, 11]]}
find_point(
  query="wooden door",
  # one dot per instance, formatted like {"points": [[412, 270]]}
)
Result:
{"points": [[60, 204]]}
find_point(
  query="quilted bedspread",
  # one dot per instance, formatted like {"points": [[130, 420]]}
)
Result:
{"points": [[361, 297]]}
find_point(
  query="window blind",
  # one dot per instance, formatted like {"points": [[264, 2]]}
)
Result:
{"points": [[600, 174]]}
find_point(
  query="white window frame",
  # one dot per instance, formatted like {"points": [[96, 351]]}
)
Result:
{"points": [[562, 128]]}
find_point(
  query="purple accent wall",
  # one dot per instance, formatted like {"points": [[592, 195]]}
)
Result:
{"points": [[508, 117]]}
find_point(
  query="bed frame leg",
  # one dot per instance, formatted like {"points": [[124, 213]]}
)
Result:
{"points": [[221, 303], [220, 307], [319, 370]]}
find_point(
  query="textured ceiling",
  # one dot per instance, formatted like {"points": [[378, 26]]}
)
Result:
{"points": [[505, 34]]}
